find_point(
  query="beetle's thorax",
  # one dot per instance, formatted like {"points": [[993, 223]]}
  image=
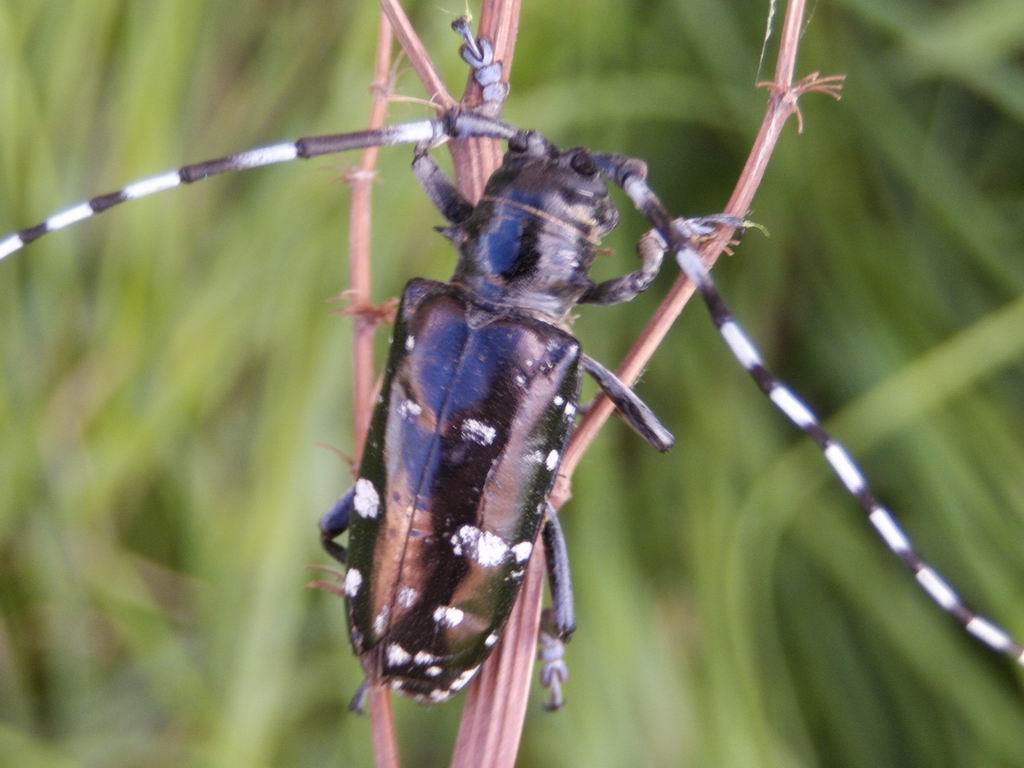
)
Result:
{"points": [[532, 238]]}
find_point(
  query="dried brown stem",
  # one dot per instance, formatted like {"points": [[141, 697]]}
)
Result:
{"points": [[364, 323], [782, 104], [417, 53]]}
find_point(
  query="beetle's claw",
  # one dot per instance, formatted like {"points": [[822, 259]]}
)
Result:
{"points": [[553, 671]]}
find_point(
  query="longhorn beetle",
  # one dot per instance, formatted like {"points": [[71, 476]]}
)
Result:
{"points": [[481, 389]]}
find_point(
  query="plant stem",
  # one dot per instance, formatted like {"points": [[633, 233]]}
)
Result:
{"points": [[365, 322]]}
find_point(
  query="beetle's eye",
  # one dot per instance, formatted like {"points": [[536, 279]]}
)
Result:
{"points": [[519, 143], [583, 164]]}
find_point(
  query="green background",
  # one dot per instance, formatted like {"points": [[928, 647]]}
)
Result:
{"points": [[172, 370]]}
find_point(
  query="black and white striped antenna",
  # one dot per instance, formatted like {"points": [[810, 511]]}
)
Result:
{"points": [[679, 238], [454, 125]]}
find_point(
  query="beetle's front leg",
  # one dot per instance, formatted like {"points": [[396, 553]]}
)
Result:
{"points": [[634, 410], [651, 250], [618, 290], [334, 523], [442, 193], [479, 54], [557, 624]]}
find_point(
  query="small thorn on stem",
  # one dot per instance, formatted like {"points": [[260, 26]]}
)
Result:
{"points": [[380, 314], [357, 175], [335, 572], [429, 103], [326, 586], [788, 96], [348, 460]]}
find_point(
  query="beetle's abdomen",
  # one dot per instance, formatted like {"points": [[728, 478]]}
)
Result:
{"points": [[474, 413]]}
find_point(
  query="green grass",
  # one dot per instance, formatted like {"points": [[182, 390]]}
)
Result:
{"points": [[170, 369]]}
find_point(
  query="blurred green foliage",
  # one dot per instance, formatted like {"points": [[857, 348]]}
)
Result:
{"points": [[172, 369]]}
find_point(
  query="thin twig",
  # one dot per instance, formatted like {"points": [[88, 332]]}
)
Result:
{"points": [[365, 321], [782, 104], [417, 53]]}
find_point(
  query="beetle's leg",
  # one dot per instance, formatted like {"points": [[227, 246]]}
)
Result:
{"points": [[439, 189], [553, 670], [358, 702], [334, 523], [634, 410], [558, 622], [650, 249], [479, 54], [559, 575]]}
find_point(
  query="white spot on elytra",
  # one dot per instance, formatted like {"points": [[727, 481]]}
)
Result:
{"points": [[520, 380], [448, 615], [353, 580], [439, 695], [366, 500], [491, 549], [406, 597], [410, 343], [478, 432], [522, 551], [380, 622], [409, 408], [397, 655], [491, 640], [457, 543], [551, 460], [432, 671], [559, 400], [422, 657], [460, 682], [570, 410], [487, 548]]}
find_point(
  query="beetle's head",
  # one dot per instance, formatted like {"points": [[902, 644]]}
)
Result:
{"points": [[533, 236]]}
